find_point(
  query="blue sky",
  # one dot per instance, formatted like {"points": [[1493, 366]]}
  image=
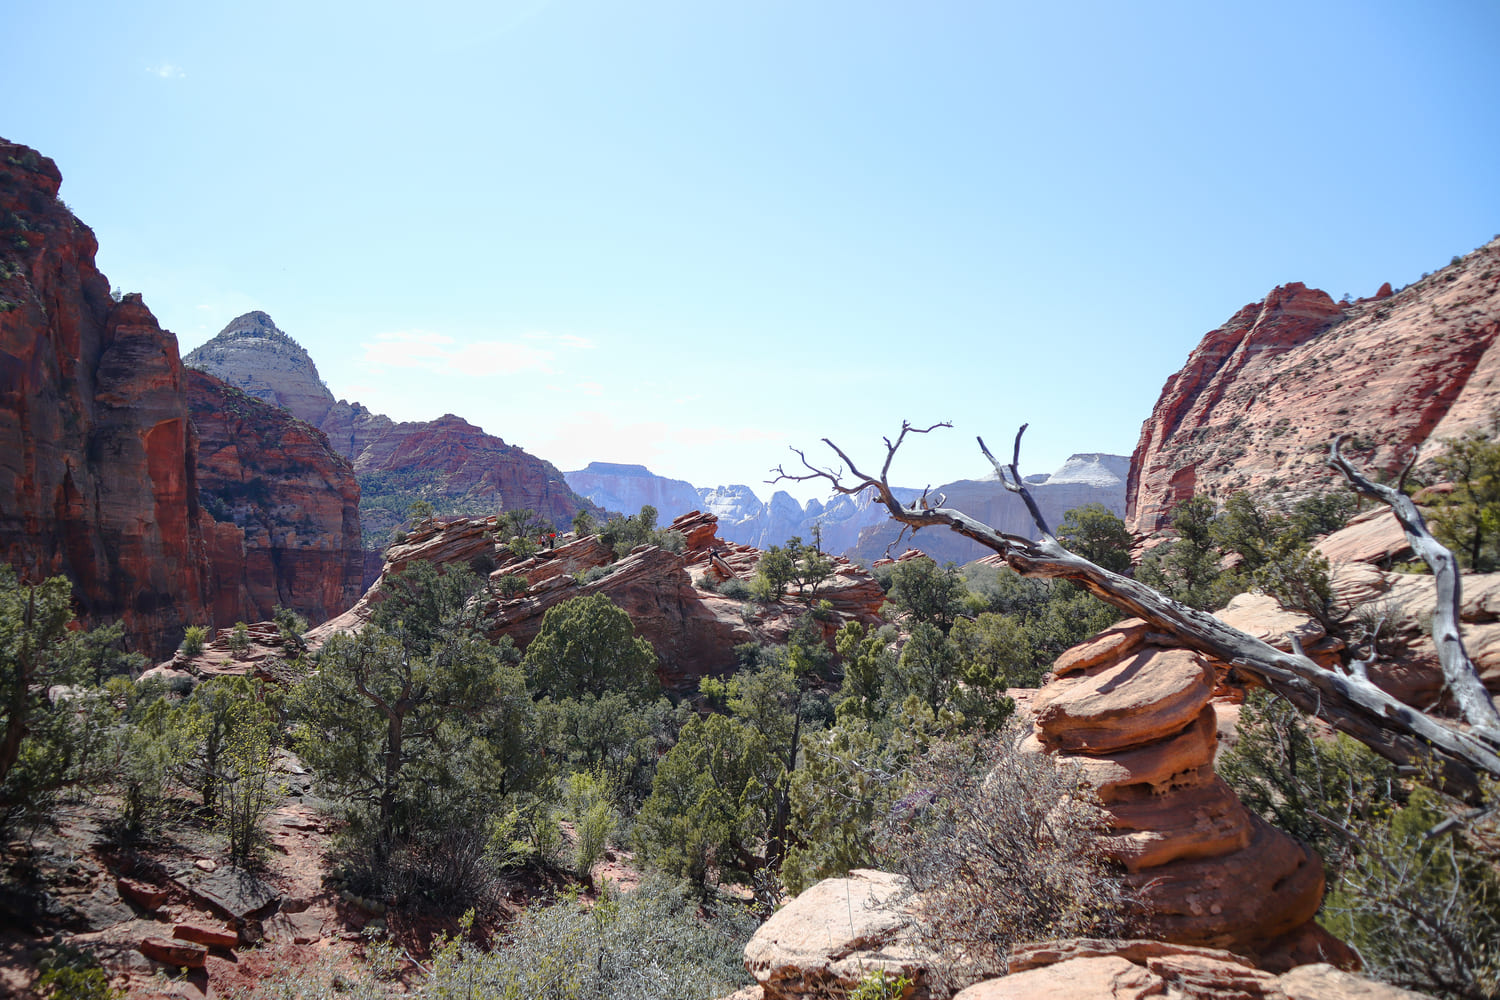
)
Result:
{"points": [[691, 234]]}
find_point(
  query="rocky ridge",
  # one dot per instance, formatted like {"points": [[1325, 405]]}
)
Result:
{"points": [[1082, 479], [1259, 398], [449, 462], [692, 627]]}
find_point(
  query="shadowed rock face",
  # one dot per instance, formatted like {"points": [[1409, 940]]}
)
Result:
{"points": [[273, 481], [1260, 397], [99, 476]]}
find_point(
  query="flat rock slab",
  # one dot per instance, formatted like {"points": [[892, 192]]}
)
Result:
{"points": [[229, 892], [212, 937], [179, 954], [148, 897], [1147, 696], [1108, 977], [1108, 646]]}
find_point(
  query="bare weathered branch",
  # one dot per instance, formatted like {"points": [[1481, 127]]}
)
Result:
{"points": [[1351, 704], [1473, 700]]}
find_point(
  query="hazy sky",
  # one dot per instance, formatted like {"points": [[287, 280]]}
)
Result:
{"points": [[691, 234]]}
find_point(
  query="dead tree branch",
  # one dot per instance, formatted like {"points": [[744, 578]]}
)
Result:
{"points": [[1473, 700], [1351, 704]]}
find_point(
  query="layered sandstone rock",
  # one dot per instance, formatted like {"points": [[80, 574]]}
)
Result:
{"points": [[293, 500], [693, 629], [99, 477], [1136, 718], [1260, 397]]}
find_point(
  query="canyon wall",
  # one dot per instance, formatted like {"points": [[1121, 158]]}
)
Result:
{"points": [[99, 450], [1259, 398]]}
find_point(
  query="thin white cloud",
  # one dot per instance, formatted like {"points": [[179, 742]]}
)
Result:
{"points": [[167, 71], [439, 353], [569, 340]]}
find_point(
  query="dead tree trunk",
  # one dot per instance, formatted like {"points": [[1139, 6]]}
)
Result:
{"points": [[1350, 703]]}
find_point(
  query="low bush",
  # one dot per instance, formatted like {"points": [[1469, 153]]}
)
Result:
{"points": [[193, 640], [1002, 846]]}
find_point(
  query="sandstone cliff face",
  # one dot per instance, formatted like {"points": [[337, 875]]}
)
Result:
{"points": [[294, 503], [1260, 397], [97, 477], [449, 462]]}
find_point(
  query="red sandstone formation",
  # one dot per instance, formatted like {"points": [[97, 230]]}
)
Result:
{"points": [[1136, 718], [273, 481], [693, 629], [1259, 398], [99, 477]]}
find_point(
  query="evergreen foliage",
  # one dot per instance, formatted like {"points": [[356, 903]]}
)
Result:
{"points": [[587, 645]]}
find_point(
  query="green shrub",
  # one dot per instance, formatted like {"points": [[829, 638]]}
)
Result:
{"points": [[290, 627], [193, 640], [647, 944], [511, 585], [735, 589], [239, 638], [1422, 908], [586, 803], [881, 985]]}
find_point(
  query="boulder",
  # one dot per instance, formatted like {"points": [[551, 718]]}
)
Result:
{"points": [[833, 934], [1238, 900]]}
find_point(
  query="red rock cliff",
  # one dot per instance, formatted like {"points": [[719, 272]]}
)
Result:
{"points": [[97, 477], [294, 503], [1260, 397]]}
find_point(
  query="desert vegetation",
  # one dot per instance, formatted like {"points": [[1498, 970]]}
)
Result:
{"points": [[457, 766]]}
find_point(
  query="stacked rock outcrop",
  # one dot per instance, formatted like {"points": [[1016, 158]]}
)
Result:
{"points": [[1134, 715], [692, 627]]}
